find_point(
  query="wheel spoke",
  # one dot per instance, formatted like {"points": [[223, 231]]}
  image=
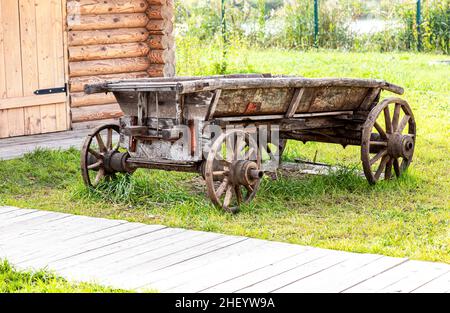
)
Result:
{"points": [[109, 142], [222, 188], [238, 192], [379, 143], [388, 173], [100, 175], [228, 197], [380, 155], [380, 130], [403, 123], [248, 155], [396, 117], [387, 120], [230, 149], [101, 143], [97, 155], [95, 166], [397, 170], [240, 144], [382, 167]]}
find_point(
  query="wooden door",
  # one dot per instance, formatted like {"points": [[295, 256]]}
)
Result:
{"points": [[31, 59]]}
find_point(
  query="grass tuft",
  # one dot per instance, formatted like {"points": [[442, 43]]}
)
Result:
{"points": [[14, 281]]}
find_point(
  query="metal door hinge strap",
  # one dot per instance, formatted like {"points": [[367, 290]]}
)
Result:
{"points": [[48, 91]]}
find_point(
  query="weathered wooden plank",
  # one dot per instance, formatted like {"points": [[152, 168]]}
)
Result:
{"points": [[403, 278], [345, 275], [165, 254], [13, 65], [106, 259], [64, 255], [266, 272], [21, 217], [101, 260], [440, 284], [145, 274], [7, 209], [31, 227], [296, 99], [281, 280], [219, 271], [14, 213], [28, 38], [31, 101]]}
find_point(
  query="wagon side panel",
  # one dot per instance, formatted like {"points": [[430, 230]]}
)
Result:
{"points": [[250, 102]]}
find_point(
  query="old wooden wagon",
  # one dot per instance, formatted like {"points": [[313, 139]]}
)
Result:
{"points": [[169, 124]]}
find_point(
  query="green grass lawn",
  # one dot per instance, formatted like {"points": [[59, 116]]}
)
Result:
{"points": [[13, 281], [405, 218]]}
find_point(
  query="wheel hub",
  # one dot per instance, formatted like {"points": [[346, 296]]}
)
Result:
{"points": [[245, 173], [401, 146]]}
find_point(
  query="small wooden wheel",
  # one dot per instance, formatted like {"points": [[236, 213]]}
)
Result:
{"points": [[97, 147], [233, 170], [388, 140]]}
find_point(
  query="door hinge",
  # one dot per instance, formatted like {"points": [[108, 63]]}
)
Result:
{"points": [[48, 91]]}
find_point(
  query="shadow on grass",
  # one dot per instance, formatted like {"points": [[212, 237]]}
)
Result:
{"points": [[156, 189]]}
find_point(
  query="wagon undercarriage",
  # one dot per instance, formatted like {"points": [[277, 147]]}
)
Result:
{"points": [[232, 129]]}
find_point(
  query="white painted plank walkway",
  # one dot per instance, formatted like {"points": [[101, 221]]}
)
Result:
{"points": [[142, 257]]}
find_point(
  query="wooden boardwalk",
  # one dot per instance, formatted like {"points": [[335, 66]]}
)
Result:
{"points": [[12, 148], [142, 257]]}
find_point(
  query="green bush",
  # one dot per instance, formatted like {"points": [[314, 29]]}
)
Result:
{"points": [[290, 24]]}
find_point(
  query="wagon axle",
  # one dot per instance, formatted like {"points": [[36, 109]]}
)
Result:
{"points": [[112, 162]]}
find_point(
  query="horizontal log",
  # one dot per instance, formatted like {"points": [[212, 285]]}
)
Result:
{"points": [[106, 7], [109, 36], [158, 12], [77, 83], [161, 70], [162, 56], [161, 42], [95, 113], [159, 2], [106, 21], [82, 100], [101, 52], [160, 27], [111, 66]]}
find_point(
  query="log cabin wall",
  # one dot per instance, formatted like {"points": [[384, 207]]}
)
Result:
{"points": [[115, 39]]}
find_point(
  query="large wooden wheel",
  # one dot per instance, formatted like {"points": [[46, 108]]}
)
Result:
{"points": [[233, 170], [388, 140], [96, 154]]}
